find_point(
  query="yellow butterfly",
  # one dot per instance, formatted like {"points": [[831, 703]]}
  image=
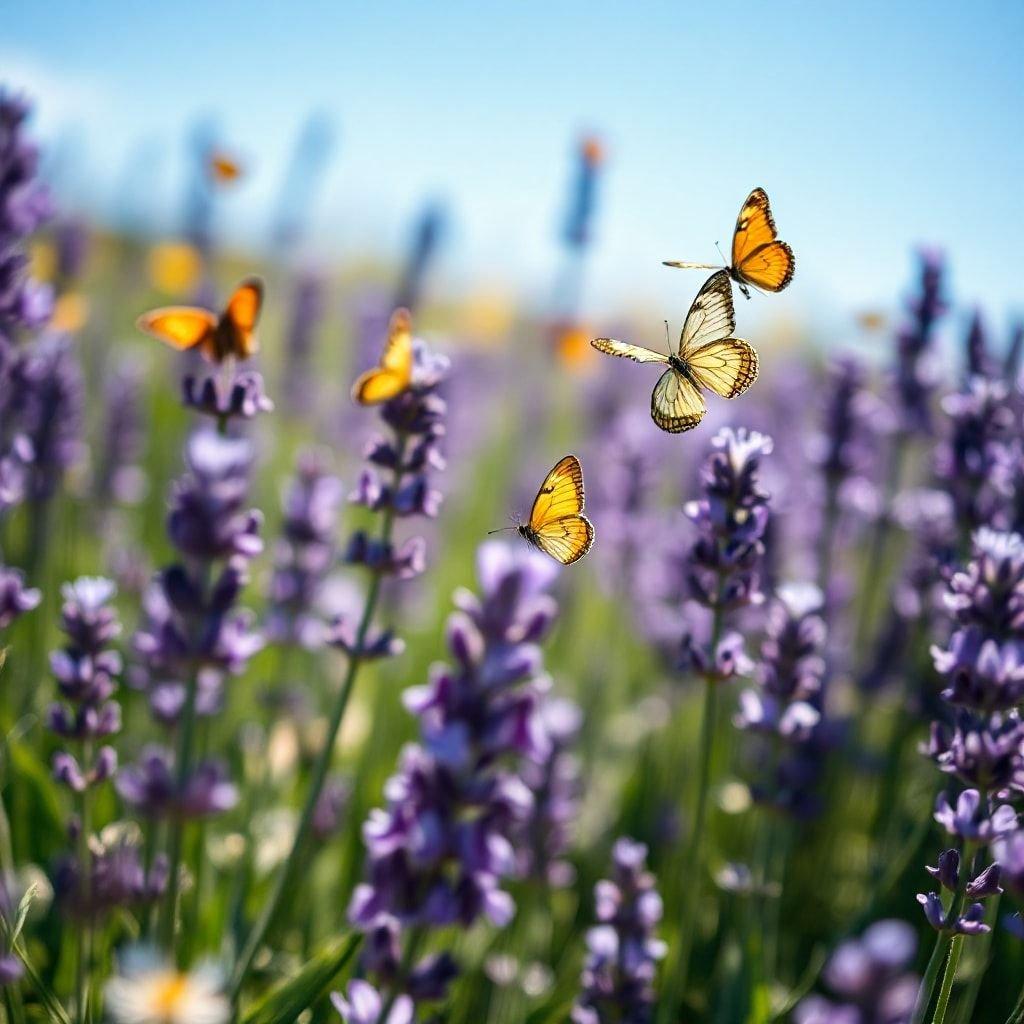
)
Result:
{"points": [[232, 333], [758, 257], [557, 525], [394, 374], [708, 357]]}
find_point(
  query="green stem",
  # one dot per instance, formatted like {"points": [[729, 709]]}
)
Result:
{"points": [[186, 743], [323, 762], [675, 976], [931, 975], [85, 871], [871, 581], [947, 980], [1017, 1013], [946, 954]]}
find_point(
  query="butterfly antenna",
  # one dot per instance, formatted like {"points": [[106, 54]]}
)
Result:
{"points": [[722, 254], [668, 339], [504, 529]]}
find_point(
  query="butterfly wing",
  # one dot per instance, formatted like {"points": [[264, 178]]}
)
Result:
{"points": [[727, 367], [556, 522], [711, 317], [567, 539], [181, 327], [241, 316], [757, 256], [393, 375], [627, 351], [676, 405]]}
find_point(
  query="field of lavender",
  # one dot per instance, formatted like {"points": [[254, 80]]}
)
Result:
{"points": [[286, 736]]}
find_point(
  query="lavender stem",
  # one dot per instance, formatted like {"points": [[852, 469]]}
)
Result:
{"points": [[323, 761]]}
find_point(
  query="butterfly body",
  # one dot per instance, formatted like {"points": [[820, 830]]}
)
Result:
{"points": [[557, 525], [707, 358], [217, 337], [759, 258]]}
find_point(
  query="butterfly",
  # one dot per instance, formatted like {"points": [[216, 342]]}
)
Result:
{"points": [[232, 333], [708, 357], [758, 257], [557, 525], [223, 167], [394, 374]]}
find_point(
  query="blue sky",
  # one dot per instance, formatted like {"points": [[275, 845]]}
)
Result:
{"points": [[874, 126]]}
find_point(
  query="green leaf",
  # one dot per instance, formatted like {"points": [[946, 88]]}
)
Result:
{"points": [[284, 1004], [23, 909]]}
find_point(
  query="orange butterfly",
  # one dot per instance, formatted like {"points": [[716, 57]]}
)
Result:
{"points": [[223, 167], [232, 334], [557, 525], [394, 374], [758, 257]]}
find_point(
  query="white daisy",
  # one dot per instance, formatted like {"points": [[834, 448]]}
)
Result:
{"points": [[149, 991]]}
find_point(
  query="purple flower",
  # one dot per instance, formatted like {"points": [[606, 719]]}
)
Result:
{"points": [[117, 879], [305, 553], [968, 819], [871, 977], [239, 397], [975, 462], [363, 1004], [308, 305], [87, 670], [24, 207], [149, 787], [730, 518], [617, 983], [15, 597], [457, 808], [119, 479], [914, 373], [556, 786], [787, 706]]}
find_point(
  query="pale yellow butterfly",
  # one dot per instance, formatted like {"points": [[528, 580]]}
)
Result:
{"points": [[708, 358]]}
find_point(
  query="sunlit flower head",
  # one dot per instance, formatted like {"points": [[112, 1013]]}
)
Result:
{"points": [[148, 991]]}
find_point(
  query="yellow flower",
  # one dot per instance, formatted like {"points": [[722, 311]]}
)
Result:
{"points": [[572, 343], [174, 267], [70, 313], [148, 991]]}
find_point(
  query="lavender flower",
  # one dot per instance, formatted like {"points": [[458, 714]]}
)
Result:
{"points": [[117, 878], [975, 463], [239, 397], [556, 786], [305, 553], [914, 375], [87, 669], [426, 237], [24, 207], [119, 479], [47, 404], [308, 302], [193, 635], [363, 1004], [15, 598], [583, 196], [725, 559], [438, 853], [977, 361], [984, 747], [787, 706], [871, 978], [981, 662], [623, 952]]}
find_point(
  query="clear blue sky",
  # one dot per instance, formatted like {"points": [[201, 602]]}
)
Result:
{"points": [[874, 126]]}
